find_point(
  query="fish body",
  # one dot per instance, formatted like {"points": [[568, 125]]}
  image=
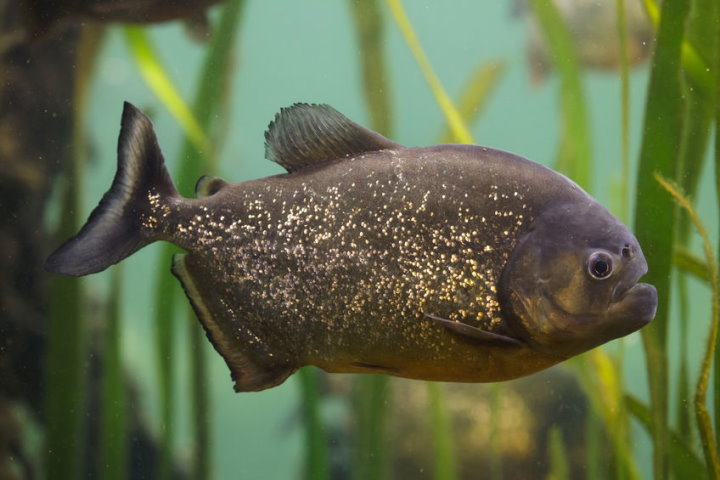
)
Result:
{"points": [[372, 257]]}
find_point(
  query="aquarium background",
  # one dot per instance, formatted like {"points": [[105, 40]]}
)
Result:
{"points": [[587, 418]]}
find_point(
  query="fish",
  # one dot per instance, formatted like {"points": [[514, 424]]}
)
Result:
{"points": [[593, 28], [453, 263]]}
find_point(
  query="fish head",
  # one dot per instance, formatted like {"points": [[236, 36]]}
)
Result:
{"points": [[571, 282]]}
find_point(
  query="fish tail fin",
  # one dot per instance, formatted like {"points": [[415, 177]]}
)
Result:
{"points": [[113, 231]]}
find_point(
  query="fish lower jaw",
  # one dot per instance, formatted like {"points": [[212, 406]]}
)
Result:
{"points": [[637, 304]]}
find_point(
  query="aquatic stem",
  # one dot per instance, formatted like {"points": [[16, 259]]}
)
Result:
{"points": [[65, 365], [624, 108], [371, 36], [113, 458], [693, 63], [689, 263], [445, 465], [460, 131], [655, 210], [703, 415], [316, 455], [371, 411], [557, 451]]}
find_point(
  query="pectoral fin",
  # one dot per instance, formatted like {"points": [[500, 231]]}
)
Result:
{"points": [[475, 334]]}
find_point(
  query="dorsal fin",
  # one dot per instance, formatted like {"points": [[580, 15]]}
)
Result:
{"points": [[303, 134]]}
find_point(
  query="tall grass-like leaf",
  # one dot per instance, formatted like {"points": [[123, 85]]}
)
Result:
{"points": [[655, 210], [316, 455], [113, 459], [372, 404], [445, 464], [698, 115], [704, 420], [574, 153], [369, 26], [165, 307], [716, 74], [156, 77], [698, 71], [458, 127], [559, 465], [67, 335], [475, 94], [600, 379], [624, 71], [684, 463], [496, 454], [689, 263]]}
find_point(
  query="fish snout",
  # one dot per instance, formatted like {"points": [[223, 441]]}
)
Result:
{"points": [[636, 307]]}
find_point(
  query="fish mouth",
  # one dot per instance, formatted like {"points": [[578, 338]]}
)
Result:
{"points": [[633, 303], [635, 306]]}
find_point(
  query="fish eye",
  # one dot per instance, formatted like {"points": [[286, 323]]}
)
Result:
{"points": [[600, 265]]}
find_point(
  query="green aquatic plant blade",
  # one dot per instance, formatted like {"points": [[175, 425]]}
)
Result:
{"points": [[317, 465], [684, 462], [682, 413], [459, 129], [496, 438], [703, 414], [66, 352], [557, 451], [65, 367], [716, 74], [697, 69], [574, 157], [687, 262], [370, 456], [601, 380], [113, 458], [157, 78], [698, 115], [655, 210], [369, 26], [165, 306], [445, 464], [200, 404], [475, 94], [624, 109]]}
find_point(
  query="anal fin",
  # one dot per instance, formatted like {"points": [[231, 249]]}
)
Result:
{"points": [[475, 334], [247, 370]]}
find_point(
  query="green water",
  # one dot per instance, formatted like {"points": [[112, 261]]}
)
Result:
{"points": [[291, 52]]}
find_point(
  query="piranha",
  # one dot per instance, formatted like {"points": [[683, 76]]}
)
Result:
{"points": [[449, 262]]}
